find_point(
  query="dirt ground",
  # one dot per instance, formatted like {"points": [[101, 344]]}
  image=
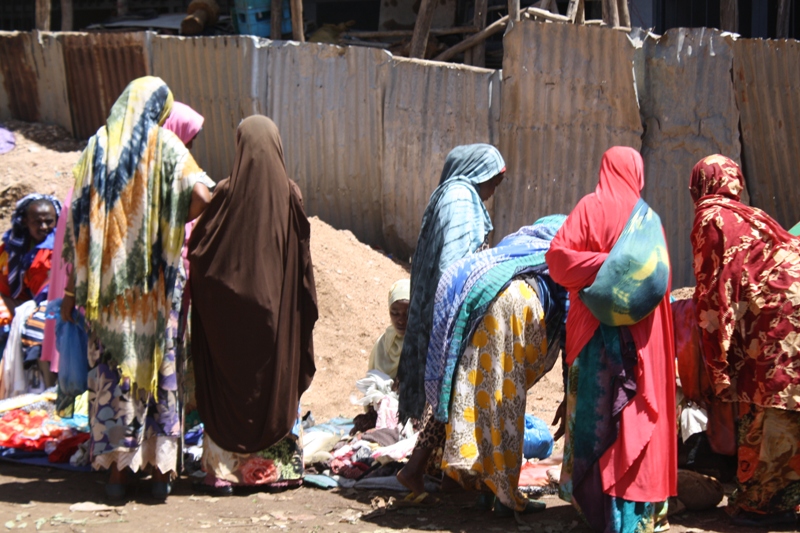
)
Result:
{"points": [[352, 285]]}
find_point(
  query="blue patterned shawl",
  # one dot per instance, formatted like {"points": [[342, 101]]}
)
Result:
{"points": [[464, 293], [18, 242], [454, 225]]}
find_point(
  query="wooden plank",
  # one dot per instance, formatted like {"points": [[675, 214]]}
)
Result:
{"points": [[66, 15], [546, 15], [43, 15], [581, 16], [422, 28], [610, 13], [513, 10], [495, 27], [297, 21], [478, 58], [782, 24], [406, 33], [624, 13], [572, 10], [729, 15], [276, 19]]}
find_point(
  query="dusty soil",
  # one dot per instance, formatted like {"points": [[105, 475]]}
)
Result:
{"points": [[352, 285]]}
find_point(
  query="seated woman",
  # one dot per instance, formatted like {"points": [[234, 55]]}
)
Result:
{"points": [[502, 318], [27, 249], [748, 275], [385, 354]]}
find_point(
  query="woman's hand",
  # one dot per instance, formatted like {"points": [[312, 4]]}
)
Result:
{"points": [[67, 305], [560, 420]]}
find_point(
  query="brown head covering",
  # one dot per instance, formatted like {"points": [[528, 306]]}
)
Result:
{"points": [[254, 300]]}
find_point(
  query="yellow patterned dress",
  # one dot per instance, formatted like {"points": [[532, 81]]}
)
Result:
{"points": [[507, 355]]}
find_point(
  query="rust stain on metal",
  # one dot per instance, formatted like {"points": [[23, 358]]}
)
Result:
{"points": [[20, 79], [99, 66]]}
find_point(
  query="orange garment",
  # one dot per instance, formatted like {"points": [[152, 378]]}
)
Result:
{"points": [[36, 276], [642, 464]]}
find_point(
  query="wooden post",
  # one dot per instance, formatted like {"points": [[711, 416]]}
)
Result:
{"points": [[513, 10], [610, 13], [43, 15], [729, 15], [572, 10], [479, 21], [624, 13], [276, 19], [419, 40], [297, 21], [782, 25], [495, 27], [122, 8], [66, 15]]}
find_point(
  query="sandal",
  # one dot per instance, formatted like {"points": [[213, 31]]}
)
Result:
{"points": [[423, 499], [533, 506]]}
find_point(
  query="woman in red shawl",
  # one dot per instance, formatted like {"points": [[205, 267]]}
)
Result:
{"points": [[620, 460], [748, 308]]}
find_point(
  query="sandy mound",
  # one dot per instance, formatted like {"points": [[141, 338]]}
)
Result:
{"points": [[353, 283]]}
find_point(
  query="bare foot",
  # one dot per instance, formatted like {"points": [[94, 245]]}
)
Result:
{"points": [[412, 482]]}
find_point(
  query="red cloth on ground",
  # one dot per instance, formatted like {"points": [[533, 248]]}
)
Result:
{"points": [[27, 431], [642, 465], [67, 448]]}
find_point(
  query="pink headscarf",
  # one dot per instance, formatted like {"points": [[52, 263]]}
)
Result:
{"points": [[184, 122]]}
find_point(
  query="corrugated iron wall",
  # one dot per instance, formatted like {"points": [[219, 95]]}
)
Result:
{"points": [[766, 76], [365, 134], [328, 104], [568, 96], [689, 111], [98, 67], [429, 108], [224, 79]]}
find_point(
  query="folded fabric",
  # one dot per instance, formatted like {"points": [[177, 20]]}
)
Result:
{"points": [[67, 447]]}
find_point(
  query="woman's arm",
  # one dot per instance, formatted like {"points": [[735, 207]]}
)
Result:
{"points": [[201, 197]]}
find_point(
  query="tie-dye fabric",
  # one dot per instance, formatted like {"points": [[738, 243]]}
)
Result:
{"points": [[454, 225], [133, 186], [464, 293]]}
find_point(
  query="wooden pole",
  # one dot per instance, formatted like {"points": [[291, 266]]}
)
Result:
{"points": [[610, 13], [624, 13], [479, 21], [406, 33], [122, 8], [581, 16], [729, 15], [297, 21], [495, 27], [513, 10], [422, 28], [43, 15], [66, 15], [782, 25], [276, 19]]}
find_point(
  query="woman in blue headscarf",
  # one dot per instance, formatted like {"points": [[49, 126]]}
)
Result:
{"points": [[455, 224]]}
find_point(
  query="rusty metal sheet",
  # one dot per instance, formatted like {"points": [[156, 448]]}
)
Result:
{"points": [[98, 68], [766, 78], [328, 104], [19, 96], [689, 111], [429, 109], [224, 79], [567, 96]]}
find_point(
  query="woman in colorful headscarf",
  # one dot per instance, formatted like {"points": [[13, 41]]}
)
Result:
{"points": [[748, 309], [254, 306], [454, 225], [620, 460], [136, 186], [27, 249], [508, 317]]}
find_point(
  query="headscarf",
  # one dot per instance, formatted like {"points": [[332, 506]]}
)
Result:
{"points": [[748, 291], [17, 242], [133, 186], [184, 122], [640, 465], [254, 300], [401, 290], [454, 224], [467, 289], [385, 355]]}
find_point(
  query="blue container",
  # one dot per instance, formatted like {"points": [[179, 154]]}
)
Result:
{"points": [[252, 17]]}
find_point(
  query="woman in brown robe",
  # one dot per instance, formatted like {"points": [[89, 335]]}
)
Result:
{"points": [[253, 310]]}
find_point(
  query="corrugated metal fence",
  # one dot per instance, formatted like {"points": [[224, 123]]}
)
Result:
{"points": [[365, 134]]}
